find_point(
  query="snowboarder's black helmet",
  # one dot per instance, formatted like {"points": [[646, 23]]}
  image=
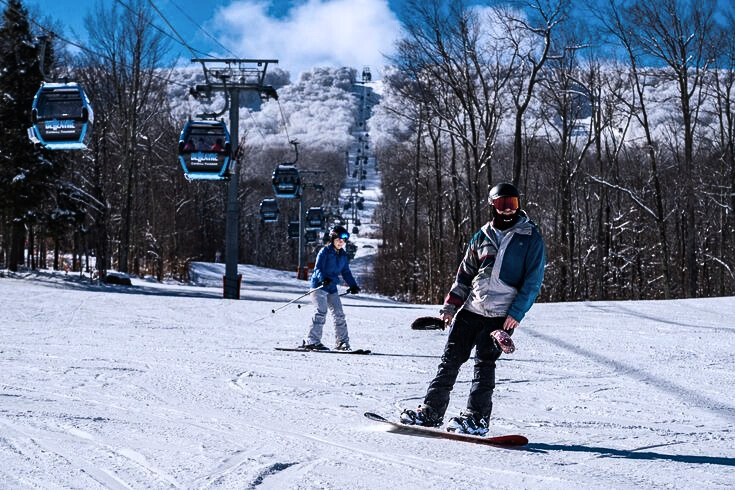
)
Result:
{"points": [[338, 232], [504, 197], [503, 189]]}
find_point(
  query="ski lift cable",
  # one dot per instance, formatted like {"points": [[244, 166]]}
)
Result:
{"points": [[81, 47], [159, 29], [285, 123], [49, 31], [204, 31], [256, 125], [181, 39]]}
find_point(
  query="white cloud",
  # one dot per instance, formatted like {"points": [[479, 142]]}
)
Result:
{"points": [[353, 33]]}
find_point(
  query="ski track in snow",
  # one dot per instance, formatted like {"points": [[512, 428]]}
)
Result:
{"points": [[171, 386], [166, 386], [300, 456]]}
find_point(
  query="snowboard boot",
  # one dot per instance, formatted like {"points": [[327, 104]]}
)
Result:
{"points": [[504, 341], [343, 346], [468, 423], [424, 415], [317, 346]]}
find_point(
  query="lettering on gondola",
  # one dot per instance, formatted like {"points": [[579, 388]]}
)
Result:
{"points": [[60, 127], [205, 159]]}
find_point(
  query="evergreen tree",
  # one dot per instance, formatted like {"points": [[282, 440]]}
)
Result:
{"points": [[25, 175]]}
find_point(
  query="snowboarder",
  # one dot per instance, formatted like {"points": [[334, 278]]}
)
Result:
{"points": [[497, 282], [331, 262]]}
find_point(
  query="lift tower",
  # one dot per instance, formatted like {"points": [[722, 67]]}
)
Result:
{"points": [[233, 76]]}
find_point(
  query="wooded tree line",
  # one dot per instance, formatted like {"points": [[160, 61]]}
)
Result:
{"points": [[101, 201], [124, 201], [619, 136], [622, 149]]}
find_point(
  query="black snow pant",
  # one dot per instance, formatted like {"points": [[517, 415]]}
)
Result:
{"points": [[469, 330]]}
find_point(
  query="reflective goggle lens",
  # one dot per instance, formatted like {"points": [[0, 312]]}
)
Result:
{"points": [[345, 236], [503, 203]]}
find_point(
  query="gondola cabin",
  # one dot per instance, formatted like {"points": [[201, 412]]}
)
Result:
{"points": [[62, 117], [351, 250], [269, 210], [315, 219], [205, 150], [286, 181], [293, 230], [311, 236]]}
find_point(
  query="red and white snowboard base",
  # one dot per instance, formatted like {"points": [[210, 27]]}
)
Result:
{"points": [[499, 441]]}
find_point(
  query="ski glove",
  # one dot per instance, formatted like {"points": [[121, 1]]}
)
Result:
{"points": [[354, 290], [326, 282]]}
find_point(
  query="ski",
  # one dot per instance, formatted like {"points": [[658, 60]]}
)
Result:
{"points": [[498, 441], [300, 349]]}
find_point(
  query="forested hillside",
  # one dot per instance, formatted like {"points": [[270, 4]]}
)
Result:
{"points": [[620, 136], [124, 202]]}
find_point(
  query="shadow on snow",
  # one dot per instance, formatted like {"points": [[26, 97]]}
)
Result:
{"points": [[605, 452], [701, 401]]}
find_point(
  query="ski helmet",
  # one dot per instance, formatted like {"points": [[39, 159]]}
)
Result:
{"points": [[338, 231], [506, 196], [503, 189]]}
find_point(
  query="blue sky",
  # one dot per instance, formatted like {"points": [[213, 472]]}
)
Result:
{"points": [[299, 33]]}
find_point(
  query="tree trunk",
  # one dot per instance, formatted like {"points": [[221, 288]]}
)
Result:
{"points": [[17, 243]]}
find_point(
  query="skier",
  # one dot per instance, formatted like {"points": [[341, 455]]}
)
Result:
{"points": [[497, 282], [331, 262]]}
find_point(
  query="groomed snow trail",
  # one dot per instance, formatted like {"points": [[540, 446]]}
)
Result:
{"points": [[165, 386]]}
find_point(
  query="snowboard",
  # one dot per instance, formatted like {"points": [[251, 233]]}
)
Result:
{"points": [[299, 349], [498, 441], [428, 323]]}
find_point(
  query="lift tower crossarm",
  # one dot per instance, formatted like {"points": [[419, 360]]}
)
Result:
{"points": [[237, 71]]}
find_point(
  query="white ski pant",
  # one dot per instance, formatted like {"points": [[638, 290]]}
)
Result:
{"points": [[323, 301]]}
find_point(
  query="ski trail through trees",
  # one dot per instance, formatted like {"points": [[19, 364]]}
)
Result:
{"points": [[361, 192]]}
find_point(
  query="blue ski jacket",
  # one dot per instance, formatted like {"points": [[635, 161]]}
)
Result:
{"points": [[331, 263]]}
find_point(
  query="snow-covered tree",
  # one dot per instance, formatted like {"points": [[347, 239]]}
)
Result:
{"points": [[26, 177]]}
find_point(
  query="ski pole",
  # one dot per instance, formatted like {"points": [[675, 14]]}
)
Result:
{"points": [[296, 299]]}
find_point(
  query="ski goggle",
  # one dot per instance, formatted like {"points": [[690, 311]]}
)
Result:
{"points": [[503, 203], [343, 236]]}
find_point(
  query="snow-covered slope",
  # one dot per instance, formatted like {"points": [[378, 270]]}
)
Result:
{"points": [[164, 386]]}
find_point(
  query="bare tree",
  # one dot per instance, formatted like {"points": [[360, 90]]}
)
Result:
{"points": [[529, 28], [567, 104], [460, 76], [130, 90], [621, 27], [723, 91], [678, 33]]}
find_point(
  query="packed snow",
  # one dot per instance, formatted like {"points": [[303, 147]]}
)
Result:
{"points": [[171, 386]]}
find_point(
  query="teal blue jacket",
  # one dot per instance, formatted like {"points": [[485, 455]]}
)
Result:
{"points": [[499, 278]]}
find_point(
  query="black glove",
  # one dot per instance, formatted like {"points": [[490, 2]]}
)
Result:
{"points": [[326, 282], [354, 290]]}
